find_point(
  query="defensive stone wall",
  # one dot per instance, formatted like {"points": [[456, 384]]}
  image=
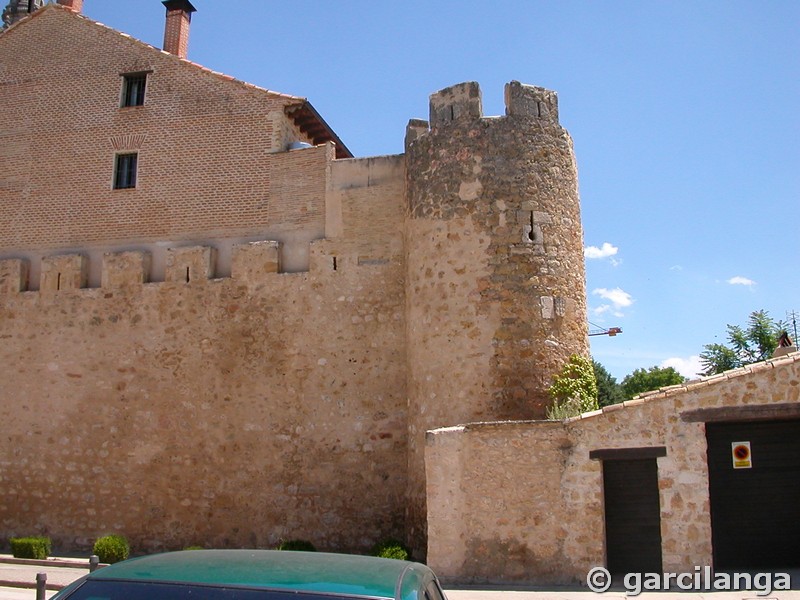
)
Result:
{"points": [[251, 341], [225, 367], [226, 412], [494, 261], [523, 501]]}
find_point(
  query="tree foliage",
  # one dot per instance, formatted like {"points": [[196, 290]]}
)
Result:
{"points": [[645, 380], [746, 345], [608, 390], [574, 389]]}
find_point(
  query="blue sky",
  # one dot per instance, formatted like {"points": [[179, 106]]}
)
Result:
{"points": [[684, 116]]}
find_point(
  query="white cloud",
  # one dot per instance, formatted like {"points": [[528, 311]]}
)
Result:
{"points": [[676, 268], [739, 280], [619, 299], [603, 251], [688, 367]]}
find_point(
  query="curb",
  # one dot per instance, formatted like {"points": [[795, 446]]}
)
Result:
{"points": [[47, 562]]}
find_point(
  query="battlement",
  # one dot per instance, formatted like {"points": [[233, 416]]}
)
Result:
{"points": [[463, 103], [64, 272], [120, 270], [531, 101], [456, 103], [252, 264]]}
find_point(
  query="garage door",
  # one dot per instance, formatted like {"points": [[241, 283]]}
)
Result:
{"points": [[755, 508], [633, 516]]}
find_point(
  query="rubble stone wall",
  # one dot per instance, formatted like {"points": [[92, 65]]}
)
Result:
{"points": [[523, 501], [223, 412], [494, 256], [251, 342]]}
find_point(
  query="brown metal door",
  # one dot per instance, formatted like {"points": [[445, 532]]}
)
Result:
{"points": [[755, 511], [633, 516]]}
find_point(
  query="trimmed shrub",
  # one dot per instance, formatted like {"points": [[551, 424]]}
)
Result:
{"points": [[391, 549], [297, 545], [194, 548], [30, 547], [111, 549]]}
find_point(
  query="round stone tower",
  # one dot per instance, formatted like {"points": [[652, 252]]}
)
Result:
{"points": [[16, 9], [495, 284]]}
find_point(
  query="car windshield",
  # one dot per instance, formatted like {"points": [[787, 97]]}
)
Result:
{"points": [[133, 590]]}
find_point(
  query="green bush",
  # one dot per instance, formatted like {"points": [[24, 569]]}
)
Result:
{"points": [[574, 389], [111, 549], [30, 547], [391, 549], [194, 548], [301, 545]]}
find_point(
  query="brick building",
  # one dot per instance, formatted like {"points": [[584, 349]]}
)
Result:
{"points": [[220, 328]]}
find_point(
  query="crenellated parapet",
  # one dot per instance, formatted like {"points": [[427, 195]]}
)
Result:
{"points": [[191, 263], [64, 272], [14, 275], [531, 102], [462, 104], [122, 269], [252, 262]]}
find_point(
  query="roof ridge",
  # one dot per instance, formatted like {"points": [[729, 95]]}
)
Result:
{"points": [[682, 388]]}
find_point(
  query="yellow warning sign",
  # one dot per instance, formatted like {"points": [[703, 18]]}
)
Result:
{"points": [[742, 457]]}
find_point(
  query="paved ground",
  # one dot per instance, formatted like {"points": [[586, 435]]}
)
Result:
{"points": [[22, 576], [8, 593], [25, 574], [584, 594]]}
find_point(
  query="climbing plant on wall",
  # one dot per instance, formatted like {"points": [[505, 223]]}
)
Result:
{"points": [[574, 389]]}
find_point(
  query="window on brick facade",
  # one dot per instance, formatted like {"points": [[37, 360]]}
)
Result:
{"points": [[133, 87], [125, 171]]}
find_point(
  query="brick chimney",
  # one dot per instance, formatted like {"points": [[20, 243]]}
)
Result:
{"points": [[176, 29], [73, 5]]}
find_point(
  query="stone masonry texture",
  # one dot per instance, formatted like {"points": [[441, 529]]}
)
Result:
{"points": [[523, 501], [250, 344], [495, 277]]}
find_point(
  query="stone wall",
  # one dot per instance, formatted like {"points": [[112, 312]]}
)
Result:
{"points": [[523, 501], [169, 374], [494, 258], [227, 412], [251, 342]]}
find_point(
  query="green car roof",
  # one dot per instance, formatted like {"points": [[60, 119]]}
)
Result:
{"points": [[319, 572]]}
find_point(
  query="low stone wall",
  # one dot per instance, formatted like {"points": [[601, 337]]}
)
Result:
{"points": [[523, 501]]}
